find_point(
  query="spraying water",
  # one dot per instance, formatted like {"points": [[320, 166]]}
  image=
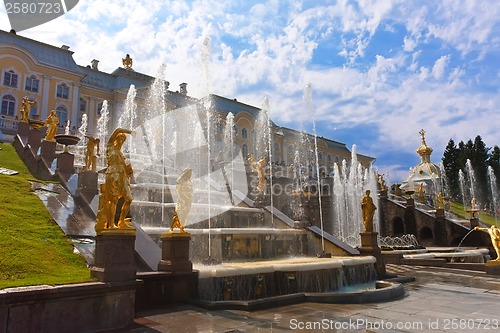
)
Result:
{"points": [[310, 107], [494, 192]]}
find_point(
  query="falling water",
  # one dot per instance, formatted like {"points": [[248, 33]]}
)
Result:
{"points": [[82, 131], [207, 108], [310, 108], [129, 113], [229, 145], [267, 124], [461, 179], [494, 192], [471, 180], [445, 187], [102, 129], [66, 130]]}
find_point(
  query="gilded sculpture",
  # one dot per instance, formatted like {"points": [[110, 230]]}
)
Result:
{"points": [[25, 109], [368, 209], [127, 62], [440, 200], [90, 157], [494, 233], [51, 122], [116, 185], [258, 166], [184, 191]]}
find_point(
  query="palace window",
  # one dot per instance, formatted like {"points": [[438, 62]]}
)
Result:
{"points": [[244, 151], [63, 91], [8, 105], [32, 84], [62, 114], [83, 105], [10, 79], [244, 133], [329, 157]]}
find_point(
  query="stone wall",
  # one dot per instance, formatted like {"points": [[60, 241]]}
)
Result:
{"points": [[87, 307]]}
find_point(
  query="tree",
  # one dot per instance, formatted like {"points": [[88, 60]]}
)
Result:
{"points": [[451, 168], [494, 162], [479, 159]]}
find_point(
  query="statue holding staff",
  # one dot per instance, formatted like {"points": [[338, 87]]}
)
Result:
{"points": [[116, 185], [184, 191]]}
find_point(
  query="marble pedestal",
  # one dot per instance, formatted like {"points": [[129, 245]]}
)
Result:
{"points": [[114, 256], [175, 253], [369, 247], [65, 163], [48, 151]]}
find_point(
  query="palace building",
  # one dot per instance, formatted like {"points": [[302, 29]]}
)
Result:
{"points": [[51, 80]]}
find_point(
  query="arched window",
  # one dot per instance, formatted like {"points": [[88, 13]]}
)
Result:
{"points": [[244, 151], [99, 109], [320, 156], [62, 91], [83, 105], [329, 157], [32, 83], [10, 78], [62, 114], [8, 106], [244, 133]]}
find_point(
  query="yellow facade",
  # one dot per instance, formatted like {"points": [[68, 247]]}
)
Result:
{"points": [[49, 76]]}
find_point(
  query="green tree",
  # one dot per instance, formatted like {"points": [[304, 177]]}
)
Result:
{"points": [[494, 162], [451, 168], [479, 159]]}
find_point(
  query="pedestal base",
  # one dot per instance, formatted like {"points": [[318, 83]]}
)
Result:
{"points": [[369, 246], [48, 151], [87, 182], [65, 163], [23, 128], [114, 257], [35, 139], [492, 267], [474, 222], [175, 253], [440, 213]]}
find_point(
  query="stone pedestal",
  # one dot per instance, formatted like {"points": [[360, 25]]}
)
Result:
{"points": [[492, 267], [175, 253], [87, 181], [474, 222], [48, 151], [35, 139], [23, 128], [114, 256], [440, 213], [65, 163], [369, 247]]}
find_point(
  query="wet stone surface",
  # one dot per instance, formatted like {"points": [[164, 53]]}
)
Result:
{"points": [[440, 300]]}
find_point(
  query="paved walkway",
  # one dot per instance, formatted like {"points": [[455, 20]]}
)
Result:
{"points": [[440, 300]]}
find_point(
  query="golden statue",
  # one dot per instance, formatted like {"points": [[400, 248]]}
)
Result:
{"points": [[25, 109], [368, 209], [440, 200], [258, 166], [127, 62], [494, 233], [51, 122], [184, 191], [420, 190], [90, 158], [116, 185]]}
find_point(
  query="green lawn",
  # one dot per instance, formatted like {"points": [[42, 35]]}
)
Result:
{"points": [[33, 249], [458, 209]]}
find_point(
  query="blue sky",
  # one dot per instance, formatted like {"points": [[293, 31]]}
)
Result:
{"points": [[380, 70]]}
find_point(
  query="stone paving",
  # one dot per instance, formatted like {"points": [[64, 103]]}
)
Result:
{"points": [[440, 300]]}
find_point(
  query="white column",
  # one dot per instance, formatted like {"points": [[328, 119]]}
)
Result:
{"points": [[92, 115], [45, 97], [75, 109]]}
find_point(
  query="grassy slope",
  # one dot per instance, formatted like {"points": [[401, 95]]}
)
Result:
{"points": [[33, 249]]}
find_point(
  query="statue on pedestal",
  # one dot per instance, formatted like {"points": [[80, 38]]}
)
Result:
{"points": [[258, 166], [51, 122], [368, 209], [184, 191], [116, 185], [25, 109], [90, 158]]}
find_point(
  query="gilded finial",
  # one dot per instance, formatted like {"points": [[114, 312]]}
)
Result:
{"points": [[127, 62]]}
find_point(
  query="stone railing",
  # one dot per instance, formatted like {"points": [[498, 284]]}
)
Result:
{"points": [[8, 125]]}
